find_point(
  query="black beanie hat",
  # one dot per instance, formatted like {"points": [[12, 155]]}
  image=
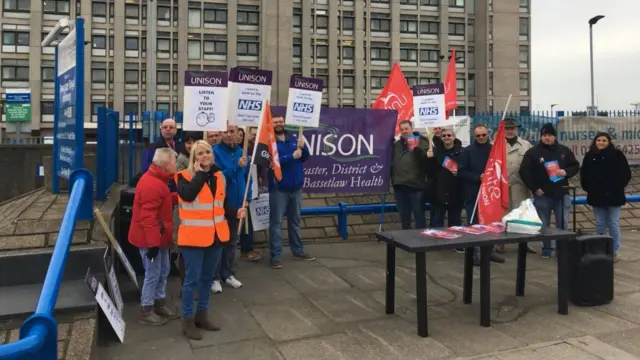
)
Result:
{"points": [[548, 129]]}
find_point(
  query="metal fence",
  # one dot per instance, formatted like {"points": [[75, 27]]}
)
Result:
{"points": [[39, 333]]}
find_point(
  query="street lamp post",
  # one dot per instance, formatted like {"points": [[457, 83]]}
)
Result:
{"points": [[552, 106], [594, 20]]}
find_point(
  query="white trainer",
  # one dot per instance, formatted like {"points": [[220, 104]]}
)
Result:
{"points": [[233, 282], [216, 288]]}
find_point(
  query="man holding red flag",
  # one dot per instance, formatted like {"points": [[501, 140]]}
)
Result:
{"points": [[482, 170], [396, 95]]}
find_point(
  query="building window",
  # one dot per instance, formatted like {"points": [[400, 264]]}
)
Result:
{"points": [[524, 84], [322, 51], [348, 81], [524, 5], [215, 47], [248, 15], [47, 74], [131, 43], [524, 29], [490, 83], [131, 11], [380, 25], [131, 76], [215, 16], [15, 73], [456, 29], [408, 2], [460, 56], [471, 84], [297, 51], [98, 76], [429, 27], [321, 22], [380, 52], [524, 106], [99, 9], [163, 107], [460, 85], [429, 55], [164, 13], [99, 41], [456, 3], [16, 5], [348, 52], [164, 46], [248, 46], [55, 6], [378, 79], [408, 52], [46, 107], [490, 63], [164, 77], [130, 107], [15, 38], [430, 2], [194, 18], [524, 57], [347, 21], [296, 20], [193, 49], [408, 24]]}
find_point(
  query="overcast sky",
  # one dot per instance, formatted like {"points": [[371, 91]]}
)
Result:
{"points": [[560, 54]]}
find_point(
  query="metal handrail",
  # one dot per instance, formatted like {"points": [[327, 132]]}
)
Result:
{"points": [[342, 210], [39, 333]]}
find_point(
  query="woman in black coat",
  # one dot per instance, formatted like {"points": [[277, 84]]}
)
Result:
{"points": [[604, 174]]}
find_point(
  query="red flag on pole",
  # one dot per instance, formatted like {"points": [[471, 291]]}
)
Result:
{"points": [[266, 150], [494, 189], [450, 87], [396, 95]]}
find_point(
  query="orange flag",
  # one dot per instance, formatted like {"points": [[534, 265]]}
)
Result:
{"points": [[266, 152]]}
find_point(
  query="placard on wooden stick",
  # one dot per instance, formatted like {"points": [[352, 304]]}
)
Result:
{"points": [[117, 248]]}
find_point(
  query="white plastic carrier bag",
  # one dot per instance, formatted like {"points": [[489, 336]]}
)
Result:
{"points": [[523, 220]]}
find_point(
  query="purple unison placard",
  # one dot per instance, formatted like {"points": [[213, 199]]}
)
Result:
{"points": [[349, 152], [250, 76], [206, 78], [428, 89], [305, 83]]}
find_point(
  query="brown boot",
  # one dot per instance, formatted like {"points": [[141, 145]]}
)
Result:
{"points": [[190, 330], [202, 321], [149, 317], [163, 308]]}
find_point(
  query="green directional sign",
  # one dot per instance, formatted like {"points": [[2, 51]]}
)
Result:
{"points": [[18, 107]]}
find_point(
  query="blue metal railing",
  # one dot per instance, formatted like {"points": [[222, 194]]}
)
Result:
{"points": [[39, 333], [342, 210]]}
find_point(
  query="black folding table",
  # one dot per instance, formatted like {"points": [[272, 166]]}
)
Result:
{"points": [[419, 244]]}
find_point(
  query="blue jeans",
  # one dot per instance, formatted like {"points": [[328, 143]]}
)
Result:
{"points": [[199, 265], [246, 239], [281, 203], [410, 201], [609, 218], [155, 276], [560, 207], [453, 213], [224, 270]]}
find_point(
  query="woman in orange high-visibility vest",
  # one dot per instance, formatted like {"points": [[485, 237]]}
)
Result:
{"points": [[203, 229]]}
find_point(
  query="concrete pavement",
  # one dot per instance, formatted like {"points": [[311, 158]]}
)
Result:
{"points": [[333, 308]]}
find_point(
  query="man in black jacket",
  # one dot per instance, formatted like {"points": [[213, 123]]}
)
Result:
{"points": [[472, 164], [445, 196], [546, 170]]}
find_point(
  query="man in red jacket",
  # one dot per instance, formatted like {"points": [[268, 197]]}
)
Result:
{"points": [[152, 232]]}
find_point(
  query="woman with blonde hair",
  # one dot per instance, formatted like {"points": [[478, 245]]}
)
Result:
{"points": [[203, 229]]}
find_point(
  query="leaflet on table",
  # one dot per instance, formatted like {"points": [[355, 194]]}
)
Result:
{"points": [[440, 234], [496, 227], [468, 230], [552, 170], [412, 142], [450, 164]]}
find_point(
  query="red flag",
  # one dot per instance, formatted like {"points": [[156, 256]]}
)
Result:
{"points": [[396, 95], [494, 189], [450, 87], [267, 144]]}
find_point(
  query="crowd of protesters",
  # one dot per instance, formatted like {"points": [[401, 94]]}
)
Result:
{"points": [[190, 200], [423, 172]]}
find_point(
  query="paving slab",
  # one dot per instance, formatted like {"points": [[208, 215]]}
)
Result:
{"points": [[368, 277], [260, 349], [158, 349], [600, 349], [291, 320], [258, 290], [333, 347], [333, 263], [395, 339], [628, 340], [405, 305], [626, 307], [554, 352], [315, 279], [347, 306], [532, 328], [590, 319], [466, 337]]}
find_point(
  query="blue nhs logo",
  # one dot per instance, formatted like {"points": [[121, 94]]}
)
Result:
{"points": [[305, 108], [255, 105], [428, 111]]}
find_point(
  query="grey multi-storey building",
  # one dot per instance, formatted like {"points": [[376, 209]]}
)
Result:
{"points": [[139, 50]]}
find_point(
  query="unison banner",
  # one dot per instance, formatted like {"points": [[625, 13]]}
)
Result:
{"points": [[248, 91], [350, 151]]}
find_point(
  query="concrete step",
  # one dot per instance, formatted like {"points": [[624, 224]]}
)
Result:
{"points": [[22, 275]]}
